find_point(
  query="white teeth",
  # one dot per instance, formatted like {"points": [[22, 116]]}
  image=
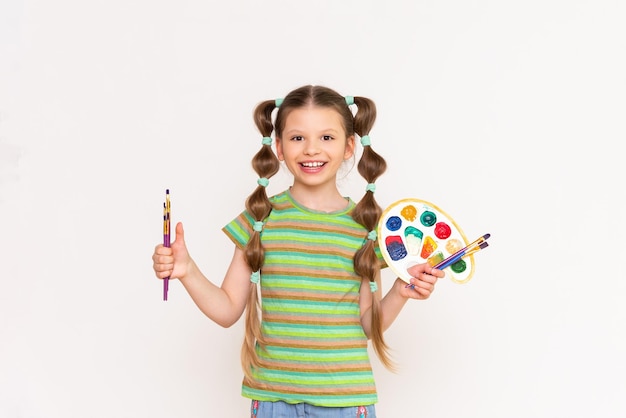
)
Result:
{"points": [[313, 164]]}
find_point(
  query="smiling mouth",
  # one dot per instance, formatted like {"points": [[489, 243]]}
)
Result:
{"points": [[315, 164]]}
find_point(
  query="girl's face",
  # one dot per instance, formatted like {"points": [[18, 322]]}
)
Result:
{"points": [[314, 145]]}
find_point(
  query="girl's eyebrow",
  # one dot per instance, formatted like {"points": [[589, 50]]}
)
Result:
{"points": [[293, 131]]}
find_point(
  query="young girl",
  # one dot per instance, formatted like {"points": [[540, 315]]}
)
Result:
{"points": [[314, 255]]}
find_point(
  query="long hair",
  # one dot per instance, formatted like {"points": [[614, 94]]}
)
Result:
{"points": [[367, 212]]}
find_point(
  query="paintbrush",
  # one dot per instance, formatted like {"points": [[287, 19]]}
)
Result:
{"points": [[166, 236]]}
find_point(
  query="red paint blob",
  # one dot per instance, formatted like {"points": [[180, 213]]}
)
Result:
{"points": [[393, 239], [442, 230]]}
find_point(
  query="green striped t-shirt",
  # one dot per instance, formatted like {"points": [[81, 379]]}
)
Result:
{"points": [[317, 350]]}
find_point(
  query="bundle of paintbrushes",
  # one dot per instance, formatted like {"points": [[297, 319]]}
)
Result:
{"points": [[473, 248], [166, 236]]}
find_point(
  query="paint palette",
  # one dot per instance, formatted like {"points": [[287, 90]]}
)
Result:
{"points": [[413, 231]]}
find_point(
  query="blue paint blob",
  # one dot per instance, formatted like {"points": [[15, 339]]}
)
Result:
{"points": [[394, 223], [396, 250]]}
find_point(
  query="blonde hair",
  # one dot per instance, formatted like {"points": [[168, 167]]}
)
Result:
{"points": [[367, 212]]}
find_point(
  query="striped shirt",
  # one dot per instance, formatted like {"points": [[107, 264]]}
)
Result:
{"points": [[316, 348]]}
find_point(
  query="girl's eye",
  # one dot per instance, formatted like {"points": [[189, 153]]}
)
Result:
{"points": [[297, 138], [327, 137]]}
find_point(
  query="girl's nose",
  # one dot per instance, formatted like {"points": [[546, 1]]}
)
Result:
{"points": [[312, 147]]}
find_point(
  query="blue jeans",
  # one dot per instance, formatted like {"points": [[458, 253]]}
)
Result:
{"points": [[282, 409]]}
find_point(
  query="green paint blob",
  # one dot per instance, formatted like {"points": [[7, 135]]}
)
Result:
{"points": [[428, 218], [459, 266], [411, 230]]}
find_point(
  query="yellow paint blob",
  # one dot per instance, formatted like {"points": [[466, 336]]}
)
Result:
{"points": [[409, 213]]}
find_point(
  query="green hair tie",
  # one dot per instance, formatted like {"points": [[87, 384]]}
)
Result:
{"points": [[373, 287], [278, 102], [255, 276], [365, 141], [371, 187], [263, 181], [372, 235], [258, 226], [349, 100], [267, 140]]}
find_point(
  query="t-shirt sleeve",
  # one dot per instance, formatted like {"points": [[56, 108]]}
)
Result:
{"points": [[239, 229]]}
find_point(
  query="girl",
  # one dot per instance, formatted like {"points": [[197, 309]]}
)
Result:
{"points": [[313, 253]]}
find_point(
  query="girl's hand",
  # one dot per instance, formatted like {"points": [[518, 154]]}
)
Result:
{"points": [[172, 261], [422, 282]]}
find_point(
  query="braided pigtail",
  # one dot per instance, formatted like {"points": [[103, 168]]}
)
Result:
{"points": [[265, 164], [368, 212]]}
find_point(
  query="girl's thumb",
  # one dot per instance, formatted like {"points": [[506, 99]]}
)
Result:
{"points": [[180, 232]]}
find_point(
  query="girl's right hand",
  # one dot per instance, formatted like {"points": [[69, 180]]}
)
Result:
{"points": [[173, 261]]}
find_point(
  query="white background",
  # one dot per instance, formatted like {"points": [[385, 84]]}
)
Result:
{"points": [[509, 115]]}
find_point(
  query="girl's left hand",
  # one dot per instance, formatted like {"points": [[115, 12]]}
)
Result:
{"points": [[423, 281]]}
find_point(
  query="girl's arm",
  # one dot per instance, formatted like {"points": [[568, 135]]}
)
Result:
{"points": [[424, 279], [224, 305]]}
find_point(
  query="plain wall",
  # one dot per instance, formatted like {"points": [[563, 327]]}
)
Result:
{"points": [[508, 115]]}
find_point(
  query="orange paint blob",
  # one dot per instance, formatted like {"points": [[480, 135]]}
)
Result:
{"points": [[429, 246]]}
